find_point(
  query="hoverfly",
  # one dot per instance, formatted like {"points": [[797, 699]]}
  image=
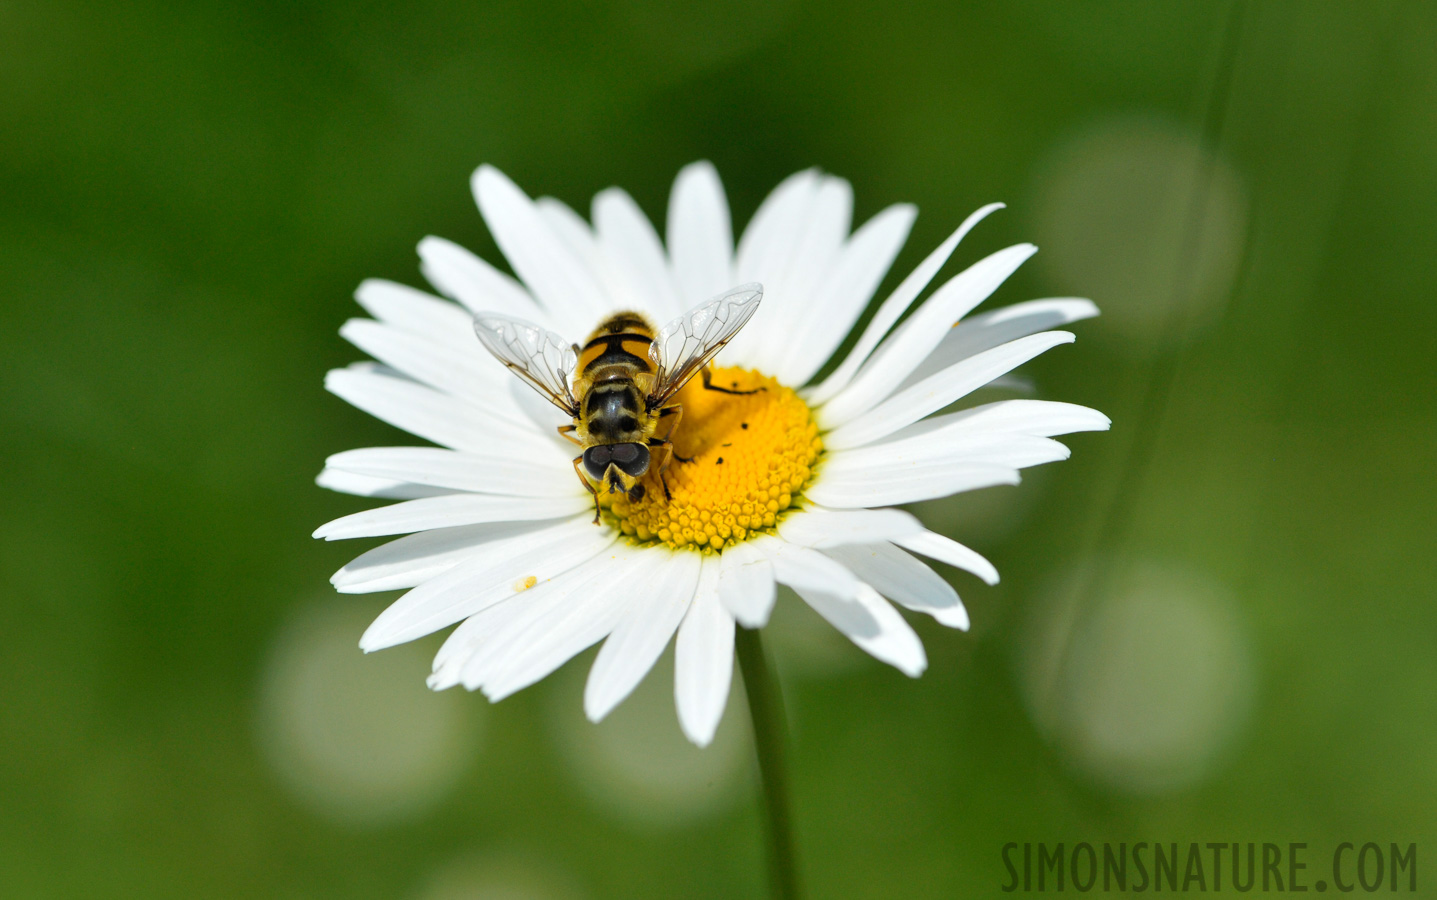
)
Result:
{"points": [[618, 385]]}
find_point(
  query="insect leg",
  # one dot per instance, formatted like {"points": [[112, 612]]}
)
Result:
{"points": [[667, 449], [708, 379], [567, 433], [587, 486], [677, 412]]}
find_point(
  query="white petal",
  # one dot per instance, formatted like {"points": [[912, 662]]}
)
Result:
{"points": [[746, 583], [642, 634], [937, 391], [703, 659], [790, 284], [820, 241], [575, 233], [541, 637], [472, 375], [411, 561], [597, 620], [858, 489], [946, 446], [768, 241], [407, 404], [364, 486], [951, 617], [986, 330], [631, 245], [912, 341], [764, 252], [893, 308], [800, 567], [417, 312], [819, 528], [467, 655], [495, 572], [904, 580], [700, 235], [845, 291], [559, 279], [945, 549], [449, 510], [1044, 418], [529, 475], [457, 273], [873, 624]]}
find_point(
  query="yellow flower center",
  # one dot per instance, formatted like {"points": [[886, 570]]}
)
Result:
{"points": [[744, 459]]}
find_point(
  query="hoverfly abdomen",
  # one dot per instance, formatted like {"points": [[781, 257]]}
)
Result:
{"points": [[619, 323], [619, 348]]}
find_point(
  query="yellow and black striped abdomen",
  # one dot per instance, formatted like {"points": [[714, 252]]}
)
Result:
{"points": [[618, 348]]}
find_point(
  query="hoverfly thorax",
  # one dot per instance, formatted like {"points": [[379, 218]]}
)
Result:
{"points": [[613, 412]]}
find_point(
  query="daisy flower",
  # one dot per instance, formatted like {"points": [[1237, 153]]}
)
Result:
{"points": [[791, 482]]}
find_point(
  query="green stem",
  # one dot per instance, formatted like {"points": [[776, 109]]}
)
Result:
{"points": [[765, 707]]}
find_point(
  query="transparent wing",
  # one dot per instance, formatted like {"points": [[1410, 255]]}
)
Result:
{"points": [[685, 345], [535, 354]]}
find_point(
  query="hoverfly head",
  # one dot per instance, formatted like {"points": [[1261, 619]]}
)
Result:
{"points": [[619, 466], [596, 461]]}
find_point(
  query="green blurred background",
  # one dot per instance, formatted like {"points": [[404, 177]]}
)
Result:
{"points": [[1215, 622]]}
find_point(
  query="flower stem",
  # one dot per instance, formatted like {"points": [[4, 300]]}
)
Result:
{"points": [[765, 707]]}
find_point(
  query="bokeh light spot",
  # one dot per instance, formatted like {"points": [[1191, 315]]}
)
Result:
{"points": [[1143, 685], [1113, 211], [357, 737]]}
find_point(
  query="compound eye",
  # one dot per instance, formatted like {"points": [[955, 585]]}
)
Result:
{"points": [[596, 461], [632, 459]]}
